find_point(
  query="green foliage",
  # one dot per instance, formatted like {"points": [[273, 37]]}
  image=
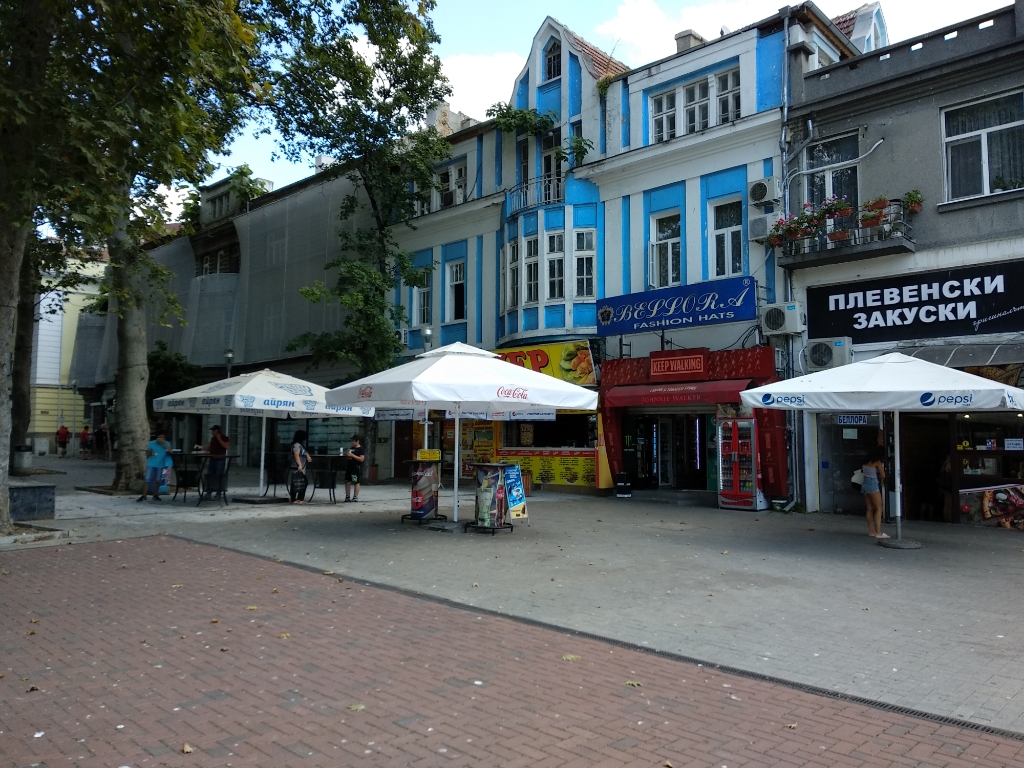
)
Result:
{"points": [[169, 372], [574, 151], [243, 186], [517, 121], [913, 197], [190, 208], [359, 93], [604, 84], [57, 270]]}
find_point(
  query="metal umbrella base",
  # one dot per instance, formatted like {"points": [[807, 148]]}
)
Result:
{"points": [[899, 544]]}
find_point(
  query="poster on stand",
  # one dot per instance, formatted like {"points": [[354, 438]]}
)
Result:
{"points": [[515, 493], [490, 497], [424, 489]]}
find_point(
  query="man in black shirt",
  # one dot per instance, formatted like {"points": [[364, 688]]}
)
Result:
{"points": [[356, 456]]}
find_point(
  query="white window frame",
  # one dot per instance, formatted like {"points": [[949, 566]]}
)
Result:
{"points": [[728, 236], [456, 275], [830, 172], [553, 56], [531, 271], [692, 103], [982, 136], [555, 256], [654, 257], [451, 185], [730, 95], [513, 274], [585, 254], [664, 120], [422, 299]]}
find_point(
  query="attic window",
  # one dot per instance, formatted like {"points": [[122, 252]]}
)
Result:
{"points": [[553, 61]]}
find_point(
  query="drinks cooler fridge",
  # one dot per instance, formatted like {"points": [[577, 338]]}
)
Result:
{"points": [[738, 471]]}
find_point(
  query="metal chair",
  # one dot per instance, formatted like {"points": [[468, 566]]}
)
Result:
{"points": [[216, 483], [185, 477], [326, 479]]}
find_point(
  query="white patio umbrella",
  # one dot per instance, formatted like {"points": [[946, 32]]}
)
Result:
{"points": [[265, 393], [892, 382], [461, 377]]}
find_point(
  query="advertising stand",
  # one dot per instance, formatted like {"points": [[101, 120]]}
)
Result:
{"points": [[426, 477], [500, 498]]}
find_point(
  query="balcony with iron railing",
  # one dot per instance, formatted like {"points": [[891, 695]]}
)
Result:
{"points": [[543, 190], [878, 229]]}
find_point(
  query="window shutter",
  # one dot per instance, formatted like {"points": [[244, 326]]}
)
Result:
{"points": [[652, 266]]}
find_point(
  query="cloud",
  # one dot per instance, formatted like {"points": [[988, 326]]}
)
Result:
{"points": [[480, 81], [643, 31]]}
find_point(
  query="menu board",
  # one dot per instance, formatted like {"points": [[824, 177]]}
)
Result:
{"points": [[1001, 505], [555, 466]]}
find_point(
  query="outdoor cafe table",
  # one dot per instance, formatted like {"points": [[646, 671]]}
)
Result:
{"points": [[190, 471]]}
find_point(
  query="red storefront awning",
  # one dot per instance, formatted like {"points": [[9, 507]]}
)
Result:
{"points": [[685, 393]]}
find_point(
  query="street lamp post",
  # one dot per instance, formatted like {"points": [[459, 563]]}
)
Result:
{"points": [[229, 356]]}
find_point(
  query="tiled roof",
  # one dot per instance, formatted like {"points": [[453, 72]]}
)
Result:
{"points": [[848, 20], [603, 64]]}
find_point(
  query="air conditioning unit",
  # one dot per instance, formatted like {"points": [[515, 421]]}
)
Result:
{"points": [[823, 354], [758, 227], [783, 319], [764, 191]]}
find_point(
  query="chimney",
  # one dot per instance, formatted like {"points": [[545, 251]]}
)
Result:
{"points": [[688, 39]]}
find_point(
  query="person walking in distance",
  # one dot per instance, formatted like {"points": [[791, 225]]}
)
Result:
{"points": [[156, 458], [84, 440], [299, 462], [874, 481], [63, 435], [353, 472]]}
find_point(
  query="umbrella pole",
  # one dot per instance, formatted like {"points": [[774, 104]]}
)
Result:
{"points": [[457, 463], [263, 453], [899, 476]]}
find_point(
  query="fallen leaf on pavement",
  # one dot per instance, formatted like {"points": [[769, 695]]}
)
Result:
{"points": [[284, 635], [475, 584], [357, 707], [328, 573], [31, 632], [570, 657], [161, 561], [276, 589], [792, 726], [668, 764], [224, 649], [32, 688], [725, 552], [250, 607], [24, 679], [37, 621], [177, 586], [634, 684], [340, 580], [186, 749], [215, 621]]}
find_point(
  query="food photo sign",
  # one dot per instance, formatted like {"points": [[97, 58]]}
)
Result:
{"points": [[1001, 505]]}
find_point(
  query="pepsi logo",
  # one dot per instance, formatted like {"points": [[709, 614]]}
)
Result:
{"points": [[767, 399], [927, 399]]}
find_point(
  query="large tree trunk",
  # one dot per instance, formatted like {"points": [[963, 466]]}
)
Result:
{"points": [[12, 253], [129, 287], [21, 385]]}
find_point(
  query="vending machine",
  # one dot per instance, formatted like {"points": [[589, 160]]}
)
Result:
{"points": [[739, 485]]}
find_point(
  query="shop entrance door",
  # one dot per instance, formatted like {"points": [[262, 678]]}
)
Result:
{"points": [[403, 448], [640, 450], [691, 472], [843, 444]]}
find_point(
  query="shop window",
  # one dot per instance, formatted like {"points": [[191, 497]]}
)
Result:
{"points": [[835, 182], [665, 268], [727, 238], [585, 264], [556, 266], [566, 431], [532, 265], [457, 291], [985, 147]]}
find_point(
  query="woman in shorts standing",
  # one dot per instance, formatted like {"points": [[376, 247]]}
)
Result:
{"points": [[874, 481]]}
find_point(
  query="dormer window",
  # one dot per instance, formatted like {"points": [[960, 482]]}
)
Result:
{"points": [[553, 61]]}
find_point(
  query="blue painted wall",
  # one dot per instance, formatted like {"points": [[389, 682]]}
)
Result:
{"points": [[479, 289], [645, 96], [554, 218], [497, 159], [626, 271], [530, 319], [554, 316], [479, 183], [667, 198], [599, 288], [549, 98], [581, 191], [499, 324], [512, 321], [513, 229], [530, 224], [415, 340], [575, 86], [625, 113], [584, 314], [584, 215], [714, 186], [453, 333], [523, 91], [769, 71]]}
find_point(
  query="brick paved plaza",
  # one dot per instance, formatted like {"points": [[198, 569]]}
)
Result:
{"points": [[140, 646]]}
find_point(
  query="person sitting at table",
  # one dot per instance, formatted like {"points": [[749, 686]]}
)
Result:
{"points": [[219, 443]]}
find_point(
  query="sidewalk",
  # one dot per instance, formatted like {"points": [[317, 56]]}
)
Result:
{"points": [[121, 653], [806, 598]]}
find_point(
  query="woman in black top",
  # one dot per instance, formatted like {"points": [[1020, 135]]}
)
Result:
{"points": [[299, 462]]}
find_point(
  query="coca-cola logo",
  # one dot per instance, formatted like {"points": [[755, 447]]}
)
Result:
{"points": [[365, 392], [513, 393]]}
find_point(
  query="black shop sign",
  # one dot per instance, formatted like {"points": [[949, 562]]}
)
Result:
{"points": [[924, 305]]}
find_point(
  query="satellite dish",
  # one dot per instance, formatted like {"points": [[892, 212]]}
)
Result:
{"points": [[725, 31]]}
